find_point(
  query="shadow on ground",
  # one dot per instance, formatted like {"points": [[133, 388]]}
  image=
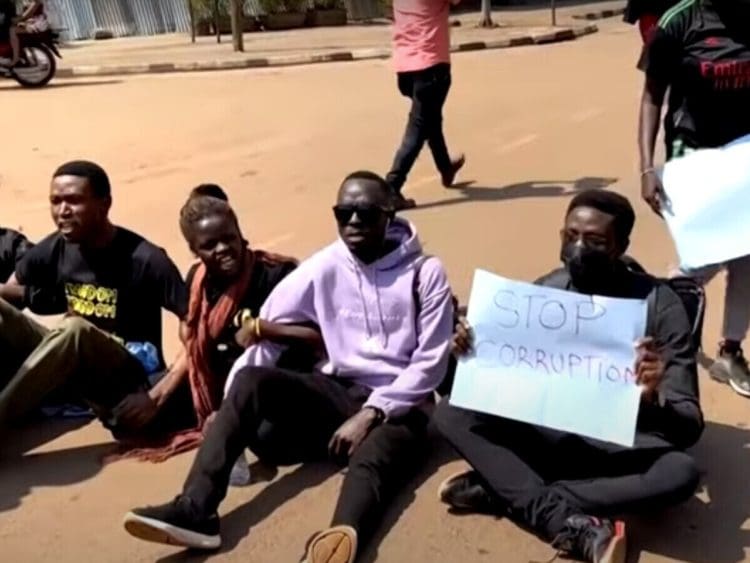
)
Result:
{"points": [[79, 83], [20, 473], [468, 192], [35, 433], [66, 83], [238, 523], [705, 530]]}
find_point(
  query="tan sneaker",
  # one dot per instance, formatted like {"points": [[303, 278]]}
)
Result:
{"points": [[334, 545]]}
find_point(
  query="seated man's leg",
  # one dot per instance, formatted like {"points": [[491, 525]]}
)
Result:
{"points": [[385, 461], [19, 335], [638, 481], [15, 45], [513, 463], [492, 446], [257, 396], [565, 511], [104, 372], [633, 481]]}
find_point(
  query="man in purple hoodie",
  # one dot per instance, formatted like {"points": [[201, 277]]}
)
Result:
{"points": [[385, 313]]}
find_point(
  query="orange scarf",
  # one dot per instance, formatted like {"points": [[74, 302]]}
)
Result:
{"points": [[205, 325]]}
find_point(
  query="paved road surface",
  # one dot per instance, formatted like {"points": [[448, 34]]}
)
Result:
{"points": [[537, 123]]}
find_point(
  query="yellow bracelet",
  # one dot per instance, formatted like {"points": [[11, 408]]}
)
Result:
{"points": [[256, 329]]}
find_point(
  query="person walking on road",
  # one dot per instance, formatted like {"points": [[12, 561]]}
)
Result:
{"points": [[421, 50], [701, 53], [646, 13]]}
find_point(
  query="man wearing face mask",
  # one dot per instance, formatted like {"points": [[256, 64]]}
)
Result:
{"points": [[565, 487]]}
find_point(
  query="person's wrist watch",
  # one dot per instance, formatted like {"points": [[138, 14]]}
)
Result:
{"points": [[379, 414]]}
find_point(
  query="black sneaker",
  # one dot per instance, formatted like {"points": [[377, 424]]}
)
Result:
{"points": [[731, 367], [465, 491], [175, 523], [592, 539]]}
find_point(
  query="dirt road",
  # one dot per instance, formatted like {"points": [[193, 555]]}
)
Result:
{"points": [[536, 124]]}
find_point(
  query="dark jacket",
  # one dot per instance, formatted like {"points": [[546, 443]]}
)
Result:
{"points": [[676, 419], [636, 8], [13, 246]]}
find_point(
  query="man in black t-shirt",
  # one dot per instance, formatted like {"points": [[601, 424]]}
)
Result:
{"points": [[701, 53], [111, 284], [13, 245]]}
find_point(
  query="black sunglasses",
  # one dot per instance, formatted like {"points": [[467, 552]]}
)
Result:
{"points": [[368, 214]]}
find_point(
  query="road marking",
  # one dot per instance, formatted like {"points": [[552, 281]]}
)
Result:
{"points": [[518, 143], [276, 241], [585, 115]]}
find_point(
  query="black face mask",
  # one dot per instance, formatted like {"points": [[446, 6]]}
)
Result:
{"points": [[588, 267]]}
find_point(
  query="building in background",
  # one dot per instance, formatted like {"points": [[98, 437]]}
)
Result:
{"points": [[81, 19]]}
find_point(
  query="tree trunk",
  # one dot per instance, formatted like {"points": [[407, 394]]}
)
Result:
{"points": [[191, 12], [235, 12], [217, 21], [486, 20]]}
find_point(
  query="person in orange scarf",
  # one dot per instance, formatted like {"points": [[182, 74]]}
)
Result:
{"points": [[227, 288]]}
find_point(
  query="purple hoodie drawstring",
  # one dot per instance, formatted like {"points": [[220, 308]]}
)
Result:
{"points": [[380, 313], [363, 299]]}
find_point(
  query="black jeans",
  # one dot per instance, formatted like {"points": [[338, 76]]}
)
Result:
{"points": [[286, 417], [427, 90], [541, 477]]}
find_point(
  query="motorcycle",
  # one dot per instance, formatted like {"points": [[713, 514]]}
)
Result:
{"points": [[37, 65]]}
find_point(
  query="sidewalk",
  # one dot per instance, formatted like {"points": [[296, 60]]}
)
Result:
{"points": [[175, 53]]}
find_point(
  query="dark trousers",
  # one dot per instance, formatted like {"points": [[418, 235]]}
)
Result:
{"points": [[427, 90], [541, 477], [286, 417]]}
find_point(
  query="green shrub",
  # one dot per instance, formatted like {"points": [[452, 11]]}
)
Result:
{"points": [[283, 6]]}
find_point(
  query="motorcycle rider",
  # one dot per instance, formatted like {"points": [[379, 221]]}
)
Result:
{"points": [[33, 18], [8, 30]]}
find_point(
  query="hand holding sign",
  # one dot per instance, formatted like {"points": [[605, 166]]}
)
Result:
{"points": [[649, 367], [542, 355], [463, 338], [709, 226]]}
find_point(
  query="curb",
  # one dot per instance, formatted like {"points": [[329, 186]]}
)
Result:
{"points": [[600, 15], [87, 71]]}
